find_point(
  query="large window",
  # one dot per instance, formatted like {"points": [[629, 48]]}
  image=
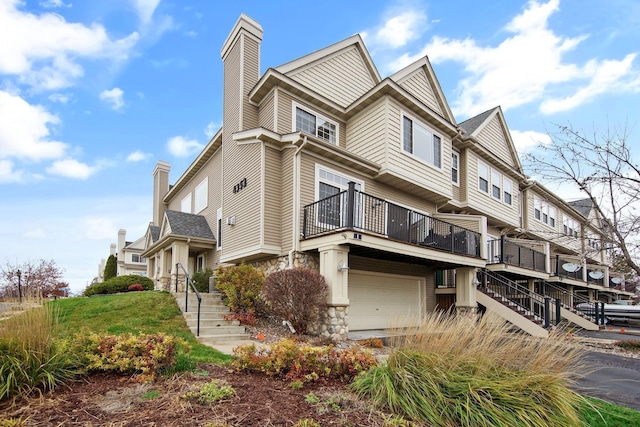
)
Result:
{"points": [[316, 125], [201, 195], [455, 168], [330, 183], [421, 142], [483, 177]]}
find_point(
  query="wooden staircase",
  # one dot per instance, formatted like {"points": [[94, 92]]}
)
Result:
{"points": [[214, 328], [527, 314]]}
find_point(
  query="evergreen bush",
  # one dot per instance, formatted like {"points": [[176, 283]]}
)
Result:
{"points": [[119, 284]]}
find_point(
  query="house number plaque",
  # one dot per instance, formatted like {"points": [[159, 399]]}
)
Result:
{"points": [[239, 186]]}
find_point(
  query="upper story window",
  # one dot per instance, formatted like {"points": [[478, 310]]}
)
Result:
{"points": [[330, 183], [483, 177], [544, 212], [508, 191], [315, 124], [455, 168], [219, 222], [496, 182], [201, 194], [421, 142], [138, 258], [185, 204], [570, 226]]}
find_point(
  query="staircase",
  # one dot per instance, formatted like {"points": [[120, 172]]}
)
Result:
{"points": [[214, 328]]}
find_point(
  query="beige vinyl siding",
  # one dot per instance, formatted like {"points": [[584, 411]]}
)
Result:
{"points": [[240, 162], [418, 85], [231, 102], [251, 74], [493, 138], [366, 132], [469, 224], [411, 168], [342, 78], [392, 267], [265, 113], [284, 113], [272, 197], [464, 176], [572, 243], [286, 201], [485, 202]]}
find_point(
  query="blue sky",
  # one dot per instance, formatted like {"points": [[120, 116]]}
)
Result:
{"points": [[93, 93]]}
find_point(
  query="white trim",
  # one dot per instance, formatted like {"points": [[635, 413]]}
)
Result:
{"points": [[252, 250], [262, 190], [457, 154], [426, 127], [219, 226], [295, 105], [182, 204], [204, 182], [317, 180], [488, 178], [275, 110]]}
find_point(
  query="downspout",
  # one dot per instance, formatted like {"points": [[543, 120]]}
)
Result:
{"points": [[296, 202]]}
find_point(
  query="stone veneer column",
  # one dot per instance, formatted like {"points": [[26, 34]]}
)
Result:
{"points": [[466, 290]]}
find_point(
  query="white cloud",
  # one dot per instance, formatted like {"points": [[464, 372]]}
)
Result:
{"points": [[60, 97], [99, 227], [51, 4], [179, 146], [145, 9], [113, 97], [211, 129], [528, 139], [7, 174], [45, 50], [71, 168], [36, 233], [24, 130], [526, 67], [138, 156], [398, 30]]}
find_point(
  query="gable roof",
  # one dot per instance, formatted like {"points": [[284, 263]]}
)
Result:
{"points": [[470, 125], [188, 225], [154, 232], [583, 206]]}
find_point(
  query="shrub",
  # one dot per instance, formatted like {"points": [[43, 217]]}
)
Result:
{"points": [[110, 268], [298, 295], [144, 356], [118, 284], [241, 288], [31, 358], [630, 345], [475, 372], [136, 287], [200, 279], [288, 360], [210, 392]]}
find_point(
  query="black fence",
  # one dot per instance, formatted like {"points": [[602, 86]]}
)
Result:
{"points": [[503, 251]]}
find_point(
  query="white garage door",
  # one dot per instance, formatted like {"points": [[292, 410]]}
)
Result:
{"points": [[378, 301]]}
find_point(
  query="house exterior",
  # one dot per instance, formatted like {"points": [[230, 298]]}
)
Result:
{"points": [[129, 256], [323, 163]]}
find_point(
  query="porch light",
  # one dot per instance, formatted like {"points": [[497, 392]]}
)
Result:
{"points": [[342, 266]]}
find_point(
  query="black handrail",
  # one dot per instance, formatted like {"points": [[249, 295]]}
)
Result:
{"points": [[567, 298], [539, 305], [189, 284], [352, 209], [503, 251]]}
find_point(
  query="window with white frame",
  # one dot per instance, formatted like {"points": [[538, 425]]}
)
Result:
{"points": [[315, 124], [185, 205], [508, 191], [455, 168], [544, 212], [496, 182], [330, 183], [201, 194], [200, 262], [219, 222], [483, 177], [137, 258], [593, 241], [552, 216], [537, 208], [570, 226], [421, 142]]}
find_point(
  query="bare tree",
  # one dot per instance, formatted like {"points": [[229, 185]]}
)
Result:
{"points": [[35, 278], [603, 168]]}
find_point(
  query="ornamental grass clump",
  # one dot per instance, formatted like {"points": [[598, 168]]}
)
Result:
{"points": [[469, 371], [31, 358]]}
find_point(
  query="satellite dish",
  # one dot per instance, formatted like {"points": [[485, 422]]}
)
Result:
{"points": [[617, 280], [597, 275], [571, 267]]}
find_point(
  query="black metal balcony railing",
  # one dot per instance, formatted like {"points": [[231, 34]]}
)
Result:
{"points": [[356, 210], [595, 276], [560, 270], [503, 251]]}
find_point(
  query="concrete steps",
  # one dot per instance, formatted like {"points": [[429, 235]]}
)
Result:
{"points": [[214, 328]]}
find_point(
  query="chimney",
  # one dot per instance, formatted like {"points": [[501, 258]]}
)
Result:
{"points": [[122, 234], [112, 249], [160, 188], [241, 57]]}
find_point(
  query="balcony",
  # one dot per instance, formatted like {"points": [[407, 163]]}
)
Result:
{"points": [[503, 251], [355, 210]]}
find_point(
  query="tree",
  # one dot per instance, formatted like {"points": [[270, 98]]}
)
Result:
{"points": [[110, 268], [42, 277], [603, 168]]}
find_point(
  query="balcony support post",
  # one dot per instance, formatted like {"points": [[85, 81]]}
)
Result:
{"points": [[334, 266], [466, 282], [351, 196]]}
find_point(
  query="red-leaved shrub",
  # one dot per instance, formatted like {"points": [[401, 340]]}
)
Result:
{"points": [[135, 287], [298, 295]]}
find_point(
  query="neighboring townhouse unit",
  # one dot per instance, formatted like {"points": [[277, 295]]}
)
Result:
{"points": [[130, 259], [322, 163]]}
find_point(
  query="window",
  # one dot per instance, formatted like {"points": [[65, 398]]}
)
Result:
{"points": [[138, 258], [483, 177], [421, 142], [200, 262], [219, 222], [455, 168], [185, 205], [537, 208], [496, 179], [508, 191], [329, 184], [316, 125], [544, 212], [570, 226], [201, 194], [552, 216]]}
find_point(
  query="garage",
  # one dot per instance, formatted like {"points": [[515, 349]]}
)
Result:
{"points": [[379, 300]]}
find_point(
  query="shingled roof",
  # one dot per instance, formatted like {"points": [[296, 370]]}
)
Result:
{"points": [[470, 125], [188, 225], [583, 206], [155, 233]]}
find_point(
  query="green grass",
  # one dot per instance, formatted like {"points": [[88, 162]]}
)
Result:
{"points": [[133, 312], [599, 413]]}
